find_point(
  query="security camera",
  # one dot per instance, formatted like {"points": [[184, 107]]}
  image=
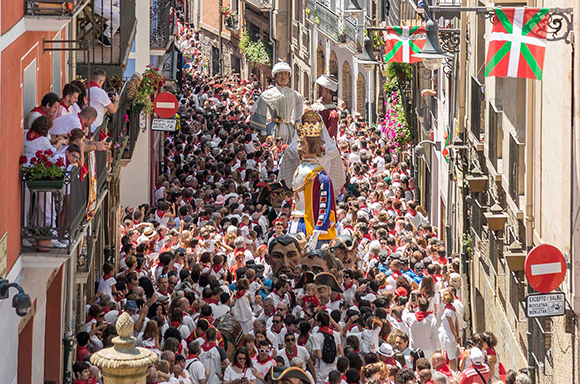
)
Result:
{"points": [[21, 302]]}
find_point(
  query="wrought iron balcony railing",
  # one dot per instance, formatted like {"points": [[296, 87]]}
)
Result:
{"points": [[52, 8], [61, 214], [327, 20], [163, 26], [117, 24]]}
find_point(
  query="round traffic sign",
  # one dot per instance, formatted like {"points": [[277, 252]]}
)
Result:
{"points": [[545, 268], [165, 105]]}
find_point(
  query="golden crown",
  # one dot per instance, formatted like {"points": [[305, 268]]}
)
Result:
{"points": [[309, 128]]}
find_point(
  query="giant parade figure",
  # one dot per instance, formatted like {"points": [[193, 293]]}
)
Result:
{"points": [[313, 211], [279, 108]]}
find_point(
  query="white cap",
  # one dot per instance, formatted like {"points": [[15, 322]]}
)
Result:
{"points": [[386, 350], [326, 82], [477, 356], [455, 280], [281, 67]]}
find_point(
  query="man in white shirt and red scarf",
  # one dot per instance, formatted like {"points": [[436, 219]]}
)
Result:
{"points": [[100, 99], [48, 107]]}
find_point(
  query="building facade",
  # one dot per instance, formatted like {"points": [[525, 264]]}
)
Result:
{"points": [[33, 62], [512, 183]]}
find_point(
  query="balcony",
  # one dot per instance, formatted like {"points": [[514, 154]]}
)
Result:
{"points": [[62, 214], [96, 21], [327, 21], [163, 26], [310, 10], [51, 15], [261, 5]]}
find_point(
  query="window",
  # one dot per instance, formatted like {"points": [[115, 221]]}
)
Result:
{"points": [[511, 99], [360, 94], [495, 139], [477, 95], [29, 88], [347, 85], [516, 170]]}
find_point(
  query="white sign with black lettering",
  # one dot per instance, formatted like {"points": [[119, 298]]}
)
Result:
{"points": [[545, 304], [167, 125]]}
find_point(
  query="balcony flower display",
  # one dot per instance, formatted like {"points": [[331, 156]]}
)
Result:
{"points": [[257, 52], [41, 172], [395, 126], [152, 82]]}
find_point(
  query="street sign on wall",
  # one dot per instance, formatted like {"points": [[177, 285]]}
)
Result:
{"points": [[167, 125], [545, 268], [545, 304]]}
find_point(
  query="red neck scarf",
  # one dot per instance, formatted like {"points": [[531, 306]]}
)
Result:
{"points": [[190, 356], [207, 345], [291, 355], [349, 285], [412, 212], [302, 340], [279, 295], [217, 268], [211, 300], [398, 211], [490, 351], [450, 306], [31, 135], [240, 293], [326, 330], [93, 84], [64, 106], [175, 324], [244, 367], [268, 358], [39, 110], [422, 315], [444, 369], [391, 361], [275, 331]]}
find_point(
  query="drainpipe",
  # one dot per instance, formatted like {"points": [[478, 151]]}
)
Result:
{"points": [[270, 34]]}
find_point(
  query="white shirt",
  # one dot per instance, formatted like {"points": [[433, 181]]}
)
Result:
{"points": [[369, 339], [65, 124], [196, 370], [99, 101], [263, 369], [302, 353], [211, 360], [422, 334], [231, 375], [322, 368], [106, 286], [63, 111]]}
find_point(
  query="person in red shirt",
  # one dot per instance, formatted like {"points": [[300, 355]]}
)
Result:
{"points": [[82, 373], [478, 372], [83, 339]]}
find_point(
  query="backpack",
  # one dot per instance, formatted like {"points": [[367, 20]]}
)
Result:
{"points": [[328, 349]]}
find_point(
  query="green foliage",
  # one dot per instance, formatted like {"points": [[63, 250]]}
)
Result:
{"points": [[257, 52], [378, 41], [468, 243], [401, 71], [152, 82], [396, 127], [143, 98]]}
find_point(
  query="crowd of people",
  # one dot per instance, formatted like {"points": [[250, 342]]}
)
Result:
{"points": [[223, 293]]}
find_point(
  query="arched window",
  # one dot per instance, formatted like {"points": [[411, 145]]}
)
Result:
{"points": [[361, 94], [347, 85], [320, 61], [333, 65]]}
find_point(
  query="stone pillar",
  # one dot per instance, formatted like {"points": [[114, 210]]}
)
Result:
{"points": [[124, 363]]}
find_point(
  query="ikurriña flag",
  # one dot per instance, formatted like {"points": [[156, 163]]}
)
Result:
{"points": [[401, 43], [517, 44]]}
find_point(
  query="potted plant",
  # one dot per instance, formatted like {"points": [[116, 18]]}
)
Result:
{"points": [[342, 36], [152, 82], [231, 20], [143, 103], [44, 245], [41, 173]]}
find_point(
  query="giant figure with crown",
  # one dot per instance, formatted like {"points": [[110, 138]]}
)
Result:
{"points": [[314, 210]]}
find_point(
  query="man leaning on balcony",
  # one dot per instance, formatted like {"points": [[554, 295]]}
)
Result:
{"points": [[99, 98]]}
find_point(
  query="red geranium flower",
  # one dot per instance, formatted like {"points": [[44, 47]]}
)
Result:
{"points": [[48, 152], [49, 164], [33, 161], [23, 159], [38, 153], [59, 162]]}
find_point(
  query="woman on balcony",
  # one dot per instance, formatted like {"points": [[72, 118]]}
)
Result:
{"points": [[37, 138]]}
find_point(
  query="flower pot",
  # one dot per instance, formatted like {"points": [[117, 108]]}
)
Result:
{"points": [[138, 107], [43, 245], [45, 185]]}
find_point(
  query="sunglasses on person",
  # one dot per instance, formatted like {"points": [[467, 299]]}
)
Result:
{"points": [[276, 321], [290, 340], [281, 309], [264, 350]]}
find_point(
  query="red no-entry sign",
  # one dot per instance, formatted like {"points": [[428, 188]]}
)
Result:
{"points": [[165, 105], [545, 268]]}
